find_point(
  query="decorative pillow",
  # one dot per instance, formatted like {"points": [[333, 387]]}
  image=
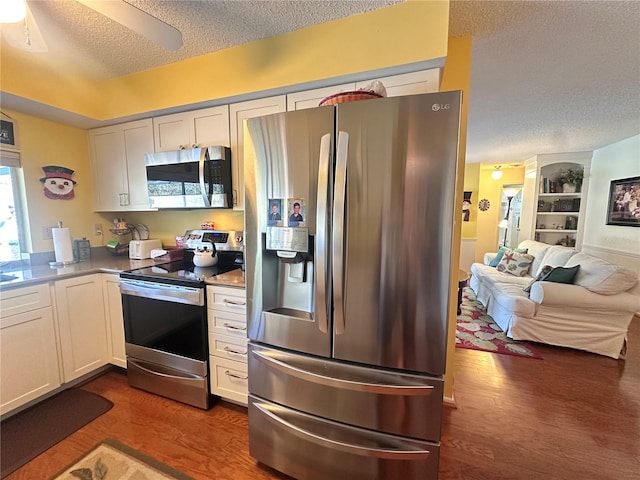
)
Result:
{"points": [[557, 256], [515, 263], [600, 276], [561, 275], [501, 250], [543, 271]]}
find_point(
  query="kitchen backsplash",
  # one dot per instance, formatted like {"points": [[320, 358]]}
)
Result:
{"points": [[166, 224]]}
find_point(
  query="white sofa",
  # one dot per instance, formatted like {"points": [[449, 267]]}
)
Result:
{"points": [[592, 314]]}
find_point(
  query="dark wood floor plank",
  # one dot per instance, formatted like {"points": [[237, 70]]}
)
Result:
{"points": [[571, 416]]}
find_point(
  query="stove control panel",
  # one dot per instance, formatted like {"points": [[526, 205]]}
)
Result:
{"points": [[223, 240]]}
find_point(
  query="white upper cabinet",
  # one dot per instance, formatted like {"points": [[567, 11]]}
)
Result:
{"points": [[199, 128], [117, 165], [239, 112], [312, 98], [424, 81]]}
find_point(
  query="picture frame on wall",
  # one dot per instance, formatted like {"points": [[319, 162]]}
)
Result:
{"points": [[624, 202]]}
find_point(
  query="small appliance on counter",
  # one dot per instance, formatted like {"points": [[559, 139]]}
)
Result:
{"points": [[141, 249], [126, 233]]}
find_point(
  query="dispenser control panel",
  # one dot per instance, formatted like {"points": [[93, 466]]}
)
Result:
{"points": [[292, 239]]}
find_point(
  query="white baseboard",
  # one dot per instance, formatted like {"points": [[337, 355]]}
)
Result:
{"points": [[450, 401]]}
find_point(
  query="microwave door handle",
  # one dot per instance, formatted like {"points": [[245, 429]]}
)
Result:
{"points": [[322, 306], [338, 230], [203, 191]]}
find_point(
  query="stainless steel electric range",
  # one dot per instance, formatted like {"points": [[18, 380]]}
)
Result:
{"points": [[165, 319]]}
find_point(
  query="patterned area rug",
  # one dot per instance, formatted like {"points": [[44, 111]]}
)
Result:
{"points": [[478, 331], [112, 460]]}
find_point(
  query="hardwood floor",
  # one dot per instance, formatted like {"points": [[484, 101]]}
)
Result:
{"points": [[570, 416]]}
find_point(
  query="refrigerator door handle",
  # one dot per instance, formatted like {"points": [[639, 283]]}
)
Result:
{"points": [[396, 450], [321, 297], [338, 230], [361, 386]]}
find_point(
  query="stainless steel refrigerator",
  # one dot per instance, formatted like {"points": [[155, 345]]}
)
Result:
{"points": [[348, 290]]}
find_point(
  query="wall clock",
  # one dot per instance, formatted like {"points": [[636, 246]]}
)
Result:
{"points": [[484, 204]]}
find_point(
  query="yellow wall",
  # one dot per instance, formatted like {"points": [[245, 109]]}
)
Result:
{"points": [[42, 143], [413, 31], [488, 221], [456, 76], [165, 225]]}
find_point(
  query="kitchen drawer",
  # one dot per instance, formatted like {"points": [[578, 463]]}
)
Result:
{"points": [[229, 347], [25, 299], [227, 299], [280, 437], [225, 323], [229, 379]]}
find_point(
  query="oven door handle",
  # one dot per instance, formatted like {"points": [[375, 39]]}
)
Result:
{"points": [[160, 374], [161, 291]]}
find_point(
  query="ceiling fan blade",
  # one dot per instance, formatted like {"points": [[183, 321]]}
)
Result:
{"points": [[25, 35], [138, 21]]}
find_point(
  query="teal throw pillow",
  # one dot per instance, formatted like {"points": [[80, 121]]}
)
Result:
{"points": [[557, 274], [561, 275], [500, 254]]}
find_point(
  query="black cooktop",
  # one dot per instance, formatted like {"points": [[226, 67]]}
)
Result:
{"points": [[178, 272]]}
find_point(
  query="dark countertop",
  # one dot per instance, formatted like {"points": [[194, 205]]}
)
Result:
{"points": [[108, 264], [44, 273]]}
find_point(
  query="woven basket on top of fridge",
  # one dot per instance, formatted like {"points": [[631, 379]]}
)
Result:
{"points": [[343, 97]]}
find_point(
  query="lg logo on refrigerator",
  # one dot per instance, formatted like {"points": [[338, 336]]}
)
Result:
{"points": [[439, 106]]}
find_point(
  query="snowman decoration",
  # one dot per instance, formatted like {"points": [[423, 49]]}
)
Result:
{"points": [[57, 182]]}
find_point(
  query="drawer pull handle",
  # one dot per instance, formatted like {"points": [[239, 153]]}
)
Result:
{"points": [[232, 327], [231, 350], [235, 375], [229, 301]]}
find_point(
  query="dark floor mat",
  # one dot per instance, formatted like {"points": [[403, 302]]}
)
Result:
{"points": [[29, 433]]}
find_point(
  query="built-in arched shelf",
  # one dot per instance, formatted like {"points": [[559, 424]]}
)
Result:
{"points": [[551, 212]]}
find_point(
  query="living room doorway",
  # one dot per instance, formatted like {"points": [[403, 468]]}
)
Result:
{"points": [[510, 212]]}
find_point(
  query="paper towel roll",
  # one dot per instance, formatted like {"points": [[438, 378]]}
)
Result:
{"points": [[62, 245]]}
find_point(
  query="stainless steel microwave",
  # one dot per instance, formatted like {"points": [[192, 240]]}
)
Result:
{"points": [[190, 178]]}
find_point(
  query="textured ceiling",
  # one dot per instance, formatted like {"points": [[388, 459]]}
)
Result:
{"points": [[100, 48], [550, 77], [546, 76]]}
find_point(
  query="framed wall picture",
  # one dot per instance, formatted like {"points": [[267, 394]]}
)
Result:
{"points": [[466, 206], [624, 202]]}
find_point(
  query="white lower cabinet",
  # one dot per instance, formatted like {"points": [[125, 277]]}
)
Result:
{"points": [[114, 320], [227, 320], [28, 350], [81, 320]]}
